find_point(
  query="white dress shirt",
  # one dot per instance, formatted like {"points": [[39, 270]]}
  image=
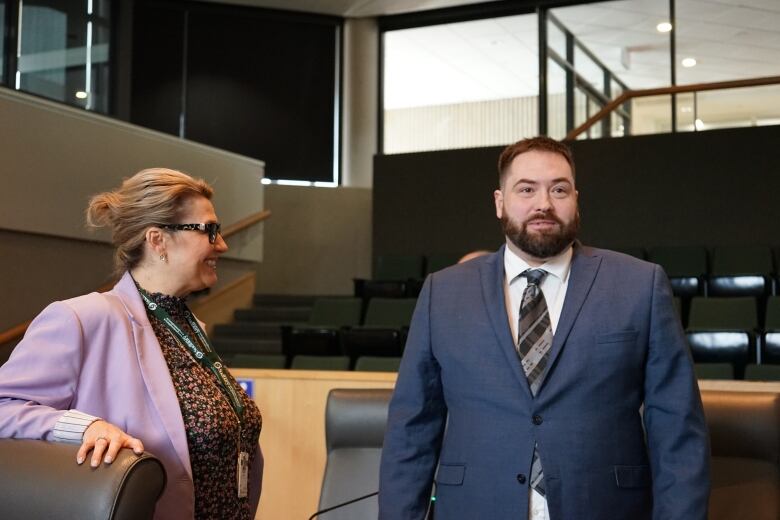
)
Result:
{"points": [[554, 287]]}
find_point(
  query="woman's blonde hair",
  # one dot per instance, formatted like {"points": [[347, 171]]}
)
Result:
{"points": [[148, 198]]}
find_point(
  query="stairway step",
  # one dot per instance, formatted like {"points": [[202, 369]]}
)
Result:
{"points": [[285, 300], [273, 314], [229, 347], [252, 329]]}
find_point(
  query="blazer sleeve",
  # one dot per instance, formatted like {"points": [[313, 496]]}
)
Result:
{"points": [[677, 438], [38, 382], [416, 419]]}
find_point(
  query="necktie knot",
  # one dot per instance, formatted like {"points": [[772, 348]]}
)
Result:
{"points": [[534, 276]]}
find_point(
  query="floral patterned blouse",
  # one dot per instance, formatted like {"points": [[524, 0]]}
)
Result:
{"points": [[212, 426]]}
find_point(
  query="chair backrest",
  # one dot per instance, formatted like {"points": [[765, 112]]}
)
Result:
{"points": [[41, 479], [680, 260], [744, 430], [336, 312], [736, 260], [355, 421], [259, 361], [304, 362], [773, 313], [723, 313], [377, 364], [390, 312]]}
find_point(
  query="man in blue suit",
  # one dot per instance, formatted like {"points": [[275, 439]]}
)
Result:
{"points": [[548, 380]]}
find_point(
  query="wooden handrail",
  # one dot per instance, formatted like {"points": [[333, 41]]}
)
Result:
{"points": [[244, 223], [18, 331], [677, 89]]}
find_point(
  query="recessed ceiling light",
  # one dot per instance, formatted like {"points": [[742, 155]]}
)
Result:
{"points": [[663, 27], [81, 94], [689, 62]]}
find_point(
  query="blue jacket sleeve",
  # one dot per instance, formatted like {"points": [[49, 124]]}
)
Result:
{"points": [[416, 420], [677, 437]]}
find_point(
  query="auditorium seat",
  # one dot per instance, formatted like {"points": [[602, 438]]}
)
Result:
{"points": [[40, 479], [320, 337], [377, 364], [394, 276], [722, 330], [741, 271], [303, 362], [744, 432], [355, 422], [686, 267], [713, 370], [258, 361], [770, 343], [762, 373], [381, 332]]}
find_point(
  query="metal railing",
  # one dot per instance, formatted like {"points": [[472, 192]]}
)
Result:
{"points": [[18, 331], [679, 89]]}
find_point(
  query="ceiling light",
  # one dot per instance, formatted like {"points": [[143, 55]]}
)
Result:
{"points": [[689, 62], [686, 109], [698, 124], [81, 94], [663, 27]]}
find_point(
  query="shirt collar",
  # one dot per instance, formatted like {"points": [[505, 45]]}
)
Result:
{"points": [[557, 266]]}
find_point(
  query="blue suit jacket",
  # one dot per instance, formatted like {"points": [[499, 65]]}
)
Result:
{"points": [[462, 409]]}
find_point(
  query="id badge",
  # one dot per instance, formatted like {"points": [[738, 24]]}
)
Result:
{"points": [[242, 470]]}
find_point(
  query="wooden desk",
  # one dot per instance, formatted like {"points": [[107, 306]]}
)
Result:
{"points": [[293, 438]]}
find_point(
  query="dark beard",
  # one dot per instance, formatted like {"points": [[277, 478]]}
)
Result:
{"points": [[545, 244]]}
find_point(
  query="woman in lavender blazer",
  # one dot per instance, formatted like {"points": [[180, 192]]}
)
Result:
{"points": [[108, 371]]}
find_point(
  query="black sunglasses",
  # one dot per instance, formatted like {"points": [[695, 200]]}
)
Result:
{"points": [[212, 228]]}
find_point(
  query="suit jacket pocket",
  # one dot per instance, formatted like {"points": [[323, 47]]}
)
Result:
{"points": [[617, 337], [450, 474], [632, 476]]}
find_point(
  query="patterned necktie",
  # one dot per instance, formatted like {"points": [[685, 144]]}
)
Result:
{"points": [[534, 339]]}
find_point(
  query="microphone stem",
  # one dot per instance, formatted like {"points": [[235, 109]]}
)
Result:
{"points": [[358, 499]]}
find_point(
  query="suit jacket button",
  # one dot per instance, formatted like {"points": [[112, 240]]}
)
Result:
{"points": [[521, 478], [537, 419]]}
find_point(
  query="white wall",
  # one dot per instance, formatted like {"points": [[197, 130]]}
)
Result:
{"points": [[55, 157]]}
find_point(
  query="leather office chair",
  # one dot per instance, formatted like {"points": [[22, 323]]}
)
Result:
{"points": [[745, 466], [40, 479], [355, 422]]}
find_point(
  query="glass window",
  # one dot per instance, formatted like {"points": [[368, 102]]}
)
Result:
{"points": [[460, 85], [64, 50]]}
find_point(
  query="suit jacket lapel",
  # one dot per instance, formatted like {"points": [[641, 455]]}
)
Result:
{"points": [[154, 369], [584, 266], [492, 279]]}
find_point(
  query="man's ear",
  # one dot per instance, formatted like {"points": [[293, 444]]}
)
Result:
{"points": [[498, 198]]}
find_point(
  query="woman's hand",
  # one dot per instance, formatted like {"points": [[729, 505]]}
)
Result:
{"points": [[103, 437]]}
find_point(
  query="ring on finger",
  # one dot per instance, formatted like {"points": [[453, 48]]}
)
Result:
{"points": [[101, 439]]}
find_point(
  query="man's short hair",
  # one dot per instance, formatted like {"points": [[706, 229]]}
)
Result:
{"points": [[540, 144]]}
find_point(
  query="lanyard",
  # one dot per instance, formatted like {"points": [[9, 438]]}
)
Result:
{"points": [[205, 355]]}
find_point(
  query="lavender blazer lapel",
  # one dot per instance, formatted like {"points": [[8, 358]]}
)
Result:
{"points": [[154, 369], [492, 280]]}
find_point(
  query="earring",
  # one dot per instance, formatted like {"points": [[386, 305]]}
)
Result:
{"points": [[164, 257]]}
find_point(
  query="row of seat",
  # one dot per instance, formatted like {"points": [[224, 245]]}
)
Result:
{"points": [[723, 271], [304, 362], [336, 327], [728, 330], [692, 270], [752, 372]]}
